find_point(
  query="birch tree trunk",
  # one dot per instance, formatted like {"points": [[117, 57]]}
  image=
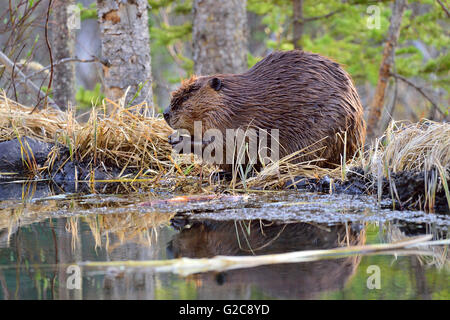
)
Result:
{"points": [[125, 41], [219, 36], [387, 61], [63, 44]]}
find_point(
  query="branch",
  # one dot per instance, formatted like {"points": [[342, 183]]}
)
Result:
{"points": [[65, 60], [337, 11], [323, 16], [420, 90], [50, 54], [444, 8], [9, 65]]}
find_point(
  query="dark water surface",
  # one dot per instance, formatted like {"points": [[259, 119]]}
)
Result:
{"points": [[43, 235]]}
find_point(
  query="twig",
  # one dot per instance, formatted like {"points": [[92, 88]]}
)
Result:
{"points": [[332, 13], [323, 16], [389, 111], [444, 8], [13, 82], [65, 60], [50, 54], [420, 90], [9, 65]]}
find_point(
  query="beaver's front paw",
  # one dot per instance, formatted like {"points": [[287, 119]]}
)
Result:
{"points": [[175, 138], [177, 142]]}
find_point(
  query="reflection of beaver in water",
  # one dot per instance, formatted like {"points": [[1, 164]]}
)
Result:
{"points": [[304, 280], [310, 99]]}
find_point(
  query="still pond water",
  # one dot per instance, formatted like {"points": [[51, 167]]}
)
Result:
{"points": [[44, 233]]}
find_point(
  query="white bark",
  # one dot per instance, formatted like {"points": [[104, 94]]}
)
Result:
{"points": [[126, 46]]}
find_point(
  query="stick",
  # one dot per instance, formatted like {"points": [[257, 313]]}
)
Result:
{"points": [[65, 60], [9, 65], [420, 90], [444, 8], [50, 55]]}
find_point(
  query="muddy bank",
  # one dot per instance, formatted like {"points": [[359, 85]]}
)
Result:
{"points": [[16, 154], [406, 189], [30, 158]]}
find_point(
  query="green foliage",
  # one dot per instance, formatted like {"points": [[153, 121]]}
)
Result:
{"points": [[429, 28], [169, 40], [252, 60], [339, 30], [86, 98], [45, 90], [342, 36], [333, 28], [165, 35], [88, 12], [33, 47], [179, 7], [439, 65]]}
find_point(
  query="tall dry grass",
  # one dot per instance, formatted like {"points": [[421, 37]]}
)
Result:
{"points": [[122, 138], [412, 147]]}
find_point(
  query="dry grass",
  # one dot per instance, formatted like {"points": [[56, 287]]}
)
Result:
{"points": [[413, 147], [16, 120], [122, 138], [277, 174]]}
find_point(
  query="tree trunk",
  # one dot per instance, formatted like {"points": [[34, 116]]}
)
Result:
{"points": [[125, 41], [387, 61], [63, 44], [298, 23], [219, 36]]}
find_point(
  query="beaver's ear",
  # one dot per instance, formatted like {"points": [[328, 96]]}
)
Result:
{"points": [[215, 83]]}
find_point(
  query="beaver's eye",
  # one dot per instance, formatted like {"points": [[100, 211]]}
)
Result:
{"points": [[185, 98]]}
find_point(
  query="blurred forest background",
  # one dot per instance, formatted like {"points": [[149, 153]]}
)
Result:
{"points": [[396, 51]]}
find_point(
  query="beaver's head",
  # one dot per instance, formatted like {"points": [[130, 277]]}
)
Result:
{"points": [[198, 99]]}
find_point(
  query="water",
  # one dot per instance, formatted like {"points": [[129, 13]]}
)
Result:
{"points": [[43, 234]]}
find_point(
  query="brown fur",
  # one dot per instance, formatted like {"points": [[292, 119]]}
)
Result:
{"points": [[306, 96]]}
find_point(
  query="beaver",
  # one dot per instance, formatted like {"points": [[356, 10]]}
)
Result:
{"points": [[309, 98]]}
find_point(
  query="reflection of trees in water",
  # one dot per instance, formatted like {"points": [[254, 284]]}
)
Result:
{"points": [[139, 284], [122, 237], [65, 241], [290, 280], [418, 265], [24, 204], [130, 236]]}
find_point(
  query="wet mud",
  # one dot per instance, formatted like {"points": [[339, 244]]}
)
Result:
{"points": [[406, 190]]}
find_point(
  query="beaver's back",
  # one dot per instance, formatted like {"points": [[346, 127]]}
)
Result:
{"points": [[309, 98]]}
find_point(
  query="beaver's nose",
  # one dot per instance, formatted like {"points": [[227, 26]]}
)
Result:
{"points": [[166, 115]]}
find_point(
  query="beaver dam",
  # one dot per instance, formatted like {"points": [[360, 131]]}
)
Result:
{"points": [[109, 198]]}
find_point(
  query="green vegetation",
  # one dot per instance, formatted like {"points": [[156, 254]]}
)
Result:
{"points": [[337, 30], [88, 98], [332, 28]]}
